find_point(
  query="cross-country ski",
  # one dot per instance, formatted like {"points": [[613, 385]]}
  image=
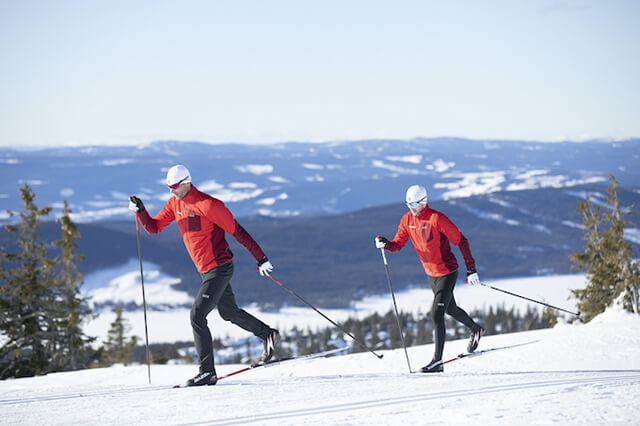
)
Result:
{"points": [[274, 362]]}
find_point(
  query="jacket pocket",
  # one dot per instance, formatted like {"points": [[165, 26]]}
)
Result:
{"points": [[194, 224]]}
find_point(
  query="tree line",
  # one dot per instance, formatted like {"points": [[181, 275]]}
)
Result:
{"points": [[42, 311], [377, 331]]}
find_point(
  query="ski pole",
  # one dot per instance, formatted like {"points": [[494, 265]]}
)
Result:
{"points": [[531, 300], [324, 316], [395, 307], [144, 301]]}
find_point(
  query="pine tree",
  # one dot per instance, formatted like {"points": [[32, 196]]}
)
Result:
{"points": [[606, 259], [26, 290], [74, 346], [118, 348], [39, 304]]}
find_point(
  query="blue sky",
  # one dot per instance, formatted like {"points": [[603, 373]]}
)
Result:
{"points": [[131, 72]]}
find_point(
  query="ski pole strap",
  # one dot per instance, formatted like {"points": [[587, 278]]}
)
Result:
{"points": [[531, 300]]}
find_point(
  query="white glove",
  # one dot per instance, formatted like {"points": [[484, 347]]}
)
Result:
{"points": [[473, 278], [381, 242], [265, 267], [135, 204]]}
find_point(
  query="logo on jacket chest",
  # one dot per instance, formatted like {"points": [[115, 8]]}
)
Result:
{"points": [[422, 231]]}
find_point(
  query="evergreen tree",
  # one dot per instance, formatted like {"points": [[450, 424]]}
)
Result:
{"points": [[26, 288], [39, 305], [606, 259], [118, 348], [424, 332], [74, 346]]}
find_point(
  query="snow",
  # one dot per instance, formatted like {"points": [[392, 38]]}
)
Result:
{"points": [[395, 169], [256, 169], [440, 165], [413, 159], [126, 288], [171, 325], [116, 162], [313, 166], [469, 184], [632, 235], [570, 374], [10, 161]]}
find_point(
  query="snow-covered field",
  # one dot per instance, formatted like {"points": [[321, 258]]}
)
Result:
{"points": [[171, 325], [571, 374]]}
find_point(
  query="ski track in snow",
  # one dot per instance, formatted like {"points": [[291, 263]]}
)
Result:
{"points": [[389, 398], [571, 374]]}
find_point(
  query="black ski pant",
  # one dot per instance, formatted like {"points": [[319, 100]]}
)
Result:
{"points": [[443, 301], [216, 291]]}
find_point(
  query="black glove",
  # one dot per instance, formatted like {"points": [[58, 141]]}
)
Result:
{"points": [[135, 204]]}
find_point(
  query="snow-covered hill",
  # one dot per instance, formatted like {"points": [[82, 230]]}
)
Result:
{"points": [[169, 325], [292, 179], [571, 374]]}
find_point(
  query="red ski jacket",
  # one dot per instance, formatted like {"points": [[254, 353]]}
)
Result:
{"points": [[202, 221], [430, 233]]}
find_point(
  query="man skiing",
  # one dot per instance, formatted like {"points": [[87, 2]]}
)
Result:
{"points": [[203, 221], [430, 232]]}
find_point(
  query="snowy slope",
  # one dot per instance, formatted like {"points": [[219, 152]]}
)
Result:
{"points": [[571, 374]]}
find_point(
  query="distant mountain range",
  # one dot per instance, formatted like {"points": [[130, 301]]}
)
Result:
{"points": [[316, 208], [332, 260], [301, 179]]}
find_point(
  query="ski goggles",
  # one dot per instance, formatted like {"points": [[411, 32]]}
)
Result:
{"points": [[415, 204], [176, 185]]}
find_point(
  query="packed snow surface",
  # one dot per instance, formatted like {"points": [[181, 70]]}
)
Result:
{"points": [[571, 374]]}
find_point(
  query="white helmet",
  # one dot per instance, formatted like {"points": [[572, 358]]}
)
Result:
{"points": [[178, 174], [416, 193]]}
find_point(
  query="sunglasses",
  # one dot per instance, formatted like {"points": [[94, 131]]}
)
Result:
{"points": [[415, 204], [176, 185]]}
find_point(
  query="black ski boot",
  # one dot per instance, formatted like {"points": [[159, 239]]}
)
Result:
{"points": [[476, 332], [205, 378], [269, 345], [435, 366]]}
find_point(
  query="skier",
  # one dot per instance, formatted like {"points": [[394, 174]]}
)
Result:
{"points": [[430, 232], [203, 221]]}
